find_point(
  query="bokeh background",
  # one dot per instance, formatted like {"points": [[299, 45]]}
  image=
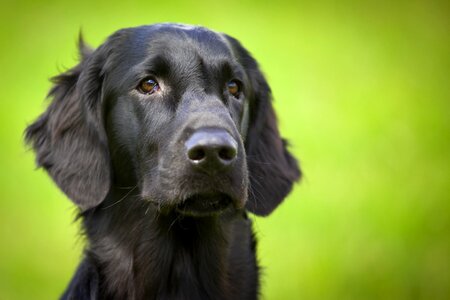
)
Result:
{"points": [[362, 92]]}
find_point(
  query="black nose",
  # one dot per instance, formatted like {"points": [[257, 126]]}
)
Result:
{"points": [[211, 149]]}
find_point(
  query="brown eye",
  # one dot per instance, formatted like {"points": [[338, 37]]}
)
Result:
{"points": [[234, 88], [148, 86]]}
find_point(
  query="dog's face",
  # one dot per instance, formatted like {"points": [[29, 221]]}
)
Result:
{"points": [[174, 112], [182, 113]]}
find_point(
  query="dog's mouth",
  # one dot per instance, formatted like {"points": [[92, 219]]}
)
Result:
{"points": [[199, 205]]}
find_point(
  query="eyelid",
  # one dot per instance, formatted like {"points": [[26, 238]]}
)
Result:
{"points": [[146, 75], [239, 82]]}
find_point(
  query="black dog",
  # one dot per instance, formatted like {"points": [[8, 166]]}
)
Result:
{"points": [[165, 137]]}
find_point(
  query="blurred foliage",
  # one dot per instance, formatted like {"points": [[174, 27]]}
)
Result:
{"points": [[362, 92]]}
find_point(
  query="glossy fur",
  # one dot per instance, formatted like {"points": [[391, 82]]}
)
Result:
{"points": [[120, 156]]}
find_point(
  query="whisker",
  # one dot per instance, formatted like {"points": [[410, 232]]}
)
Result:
{"points": [[174, 221], [121, 199]]}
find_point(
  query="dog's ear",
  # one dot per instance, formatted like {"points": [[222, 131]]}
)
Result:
{"points": [[272, 168], [69, 137]]}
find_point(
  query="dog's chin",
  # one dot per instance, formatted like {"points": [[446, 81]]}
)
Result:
{"points": [[204, 205]]}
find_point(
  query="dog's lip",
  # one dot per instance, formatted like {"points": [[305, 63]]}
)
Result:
{"points": [[205, 204]]}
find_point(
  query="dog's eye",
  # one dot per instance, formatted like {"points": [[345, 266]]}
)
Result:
{"points": [[234, 88], [148, 86]]}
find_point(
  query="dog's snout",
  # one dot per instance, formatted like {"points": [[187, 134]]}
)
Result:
{"points": [[211, 149]]}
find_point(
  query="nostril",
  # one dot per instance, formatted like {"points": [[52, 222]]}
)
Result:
{"points": [[227, 153], [211, 149], [196, 153]]}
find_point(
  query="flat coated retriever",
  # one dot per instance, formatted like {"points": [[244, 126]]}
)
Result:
{"points": [[165, 137]]}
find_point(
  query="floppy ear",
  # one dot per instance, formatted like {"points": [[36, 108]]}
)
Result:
{"points": [[272, 168], [69, 137]]}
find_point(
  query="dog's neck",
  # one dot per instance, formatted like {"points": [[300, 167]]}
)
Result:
{"points": [[159, 255]]}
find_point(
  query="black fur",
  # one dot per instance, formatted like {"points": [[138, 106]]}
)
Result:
{"points": [[120, 156]]}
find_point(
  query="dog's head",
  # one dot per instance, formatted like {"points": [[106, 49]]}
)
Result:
{"points": [[181, 112]]}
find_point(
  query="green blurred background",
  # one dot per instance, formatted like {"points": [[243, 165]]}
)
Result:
{"points": [[362, 93]]}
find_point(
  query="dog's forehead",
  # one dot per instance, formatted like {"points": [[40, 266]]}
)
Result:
{"points": [[168, 49], [177, 41]]}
